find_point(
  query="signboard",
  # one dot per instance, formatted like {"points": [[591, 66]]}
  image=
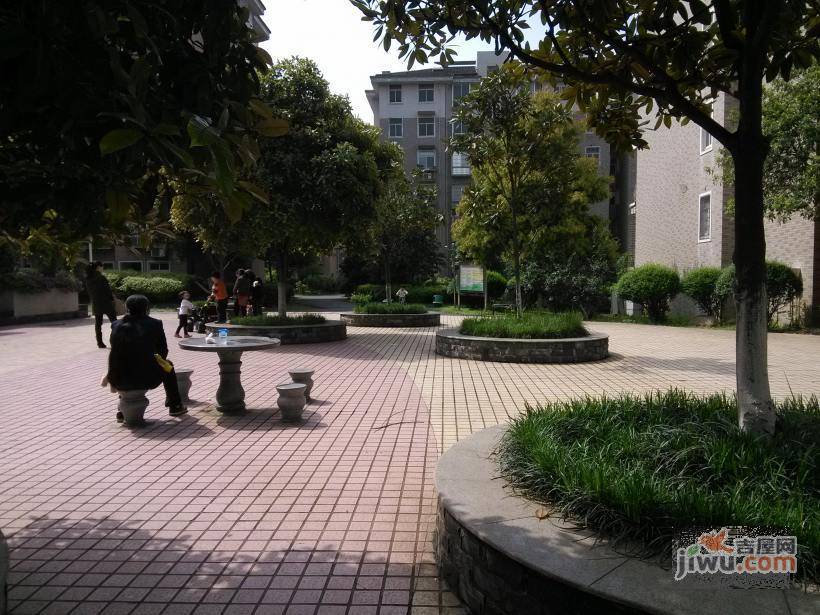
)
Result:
{"points": [[471, 279]]}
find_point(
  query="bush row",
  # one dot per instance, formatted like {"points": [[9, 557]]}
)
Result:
{"points": [[34, 281], [654, 286], [415, 293]]}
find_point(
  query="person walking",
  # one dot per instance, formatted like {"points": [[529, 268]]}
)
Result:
{"points": [[184, 312], [241, 293], [219, 294], [137, 340], [101, 297]]}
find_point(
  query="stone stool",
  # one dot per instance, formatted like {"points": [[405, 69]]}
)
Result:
{"points": [[133, 405], [184, 382], [303, 376], [291, 401]]}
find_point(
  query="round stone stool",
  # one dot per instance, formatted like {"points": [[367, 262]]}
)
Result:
{"points": [[184, 382], [291, 401], [132, 405], [304, 376]]}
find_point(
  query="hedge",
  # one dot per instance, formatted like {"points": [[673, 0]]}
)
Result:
{"points": [[652, 285]]}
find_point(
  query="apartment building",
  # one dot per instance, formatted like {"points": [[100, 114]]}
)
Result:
{"points": [[680, 209], [414, 109]]}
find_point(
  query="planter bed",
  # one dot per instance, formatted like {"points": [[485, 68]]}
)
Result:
{"points": [[451, 343], [500, 556], [328, 331], [428, 319]]}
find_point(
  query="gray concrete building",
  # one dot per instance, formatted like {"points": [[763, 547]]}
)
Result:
{"points": [[680, 209], [415, 109]]}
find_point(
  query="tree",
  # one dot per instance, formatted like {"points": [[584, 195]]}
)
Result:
{"points": [[97, 97], [528, 174], [326, 175], [622, 61], [407, 209]]}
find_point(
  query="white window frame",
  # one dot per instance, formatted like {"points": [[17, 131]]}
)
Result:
{"points": [[593, 151], [468, 84], [457, 188], [700, 214], [394, 87], [426, 151], [428, 119], [166, 268], [705, 134], [454, 124], [463, 167], [391, 125], [424, 87], [121, 263]]}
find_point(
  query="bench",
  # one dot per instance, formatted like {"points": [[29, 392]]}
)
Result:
{"points": [[502, 307], [302, 375], [184, 382]]}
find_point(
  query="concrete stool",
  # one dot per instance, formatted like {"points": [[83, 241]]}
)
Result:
{"points": [[304, 376], [184, 382], [133, 405], [291, 401]]}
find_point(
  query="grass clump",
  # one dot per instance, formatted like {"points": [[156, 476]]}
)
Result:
{"points": [[390, 308], [278, 321], [532, 325], [640, 470]]}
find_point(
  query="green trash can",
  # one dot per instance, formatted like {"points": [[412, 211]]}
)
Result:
{"points": [[438, 300]]}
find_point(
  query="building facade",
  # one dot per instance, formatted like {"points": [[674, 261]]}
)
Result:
{"points": [[680, 209], [414, 109]]}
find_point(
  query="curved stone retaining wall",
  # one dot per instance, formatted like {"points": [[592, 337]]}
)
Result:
{"points": [[328, 331], [451, 343], [498, 553], [428, 319]]}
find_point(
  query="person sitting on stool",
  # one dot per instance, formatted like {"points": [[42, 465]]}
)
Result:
{"points": [[136, 342]]}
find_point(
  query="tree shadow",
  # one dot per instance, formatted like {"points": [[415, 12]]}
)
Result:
{"points": [[59, 563]]}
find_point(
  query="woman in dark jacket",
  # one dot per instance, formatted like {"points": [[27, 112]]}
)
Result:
{"points": [[101, 297]]}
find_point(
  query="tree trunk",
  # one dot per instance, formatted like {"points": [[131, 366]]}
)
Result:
{"points": [[282, 283], [516, 263], [756, 410], [388, 288], [486, 290]]}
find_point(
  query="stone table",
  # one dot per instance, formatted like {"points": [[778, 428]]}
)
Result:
{"points": [[230, 396]]}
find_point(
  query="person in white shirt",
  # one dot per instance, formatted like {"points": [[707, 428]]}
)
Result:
{"points": [[402, 294], [185, 309]]}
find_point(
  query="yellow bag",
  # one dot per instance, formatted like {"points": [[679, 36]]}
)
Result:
{"points": [[166, 365]]}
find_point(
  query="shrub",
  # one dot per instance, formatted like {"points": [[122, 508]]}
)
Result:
{"points": [[783, 286], [376, 291], [158, 290], [278, 321], [651, 285], [30, 281], [424, 293], [496, 284], [532, 325], [699, 284], [322, 283], [357, 299], [66, 281], [390, 308], [189, 282], [643, 469]]}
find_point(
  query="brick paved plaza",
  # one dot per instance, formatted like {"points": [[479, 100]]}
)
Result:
{"points": [[242, 514]]}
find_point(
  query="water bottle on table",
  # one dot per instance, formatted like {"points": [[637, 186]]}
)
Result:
{"points": [[223, 337]]}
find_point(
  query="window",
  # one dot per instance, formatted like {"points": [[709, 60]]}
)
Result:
{"points": [[159, 266], [130, 265], [461, 164], [426, 93], [593, 151], [458, 127], [426, 159], [427, 126], [705, 141], [458, 192], [705, 217], [395, 128], [461, 89], [395, 94]]}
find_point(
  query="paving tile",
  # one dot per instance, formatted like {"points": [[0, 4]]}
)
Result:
{"points": [[241, 514]]}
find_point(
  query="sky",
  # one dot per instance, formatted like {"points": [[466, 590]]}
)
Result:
{"points": [[331, 33]]}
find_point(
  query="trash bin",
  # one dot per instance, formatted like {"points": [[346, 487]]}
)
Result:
{"points": [[438, 300]]}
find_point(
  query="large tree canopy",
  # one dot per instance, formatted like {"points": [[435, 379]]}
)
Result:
{"points": [[625, 61], [96, 96], [325, 176]]}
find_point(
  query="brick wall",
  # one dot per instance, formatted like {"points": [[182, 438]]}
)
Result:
{"points": [[796, 243]]}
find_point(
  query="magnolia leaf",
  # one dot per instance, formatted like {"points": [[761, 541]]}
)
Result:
{"points": [[118, 139], [260, 108], [273, 127], [201, 132], [119, 205], [166, 130], [258, 192]]}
